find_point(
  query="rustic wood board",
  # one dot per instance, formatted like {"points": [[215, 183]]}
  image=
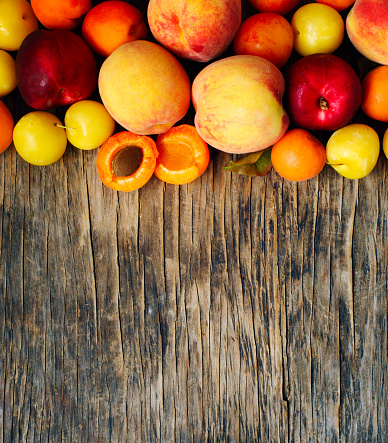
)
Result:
{"points": [[230, 309]]}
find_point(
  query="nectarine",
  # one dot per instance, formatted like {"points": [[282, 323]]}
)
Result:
{"points": [[144, 87]]}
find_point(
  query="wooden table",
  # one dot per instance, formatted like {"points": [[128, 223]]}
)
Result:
{"points": [[230, 309]]}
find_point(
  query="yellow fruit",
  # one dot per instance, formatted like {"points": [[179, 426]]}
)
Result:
{"points": [[353, 150], [8, 80], [17, 20], [317, 29]]}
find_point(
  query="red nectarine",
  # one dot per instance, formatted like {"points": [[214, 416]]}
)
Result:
{"points": [[55, 68]]}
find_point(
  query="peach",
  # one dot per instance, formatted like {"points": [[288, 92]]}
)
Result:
{"points": [[367, 28], [112, 23], [62, 14], [198, 30], [144, 87], [238, 104]]}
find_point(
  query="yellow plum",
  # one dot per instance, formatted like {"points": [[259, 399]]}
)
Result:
{"points": [[353, 150]]}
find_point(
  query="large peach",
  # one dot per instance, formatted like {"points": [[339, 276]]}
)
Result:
{"points": [[367, 28], [198, 30], [62, 14], [238, 103], [144, 87]]}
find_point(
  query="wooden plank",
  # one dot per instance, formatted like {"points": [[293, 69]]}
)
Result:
{"points": [[229, 309]]}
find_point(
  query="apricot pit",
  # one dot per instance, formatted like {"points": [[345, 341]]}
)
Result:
{"points": [[127, 161]]}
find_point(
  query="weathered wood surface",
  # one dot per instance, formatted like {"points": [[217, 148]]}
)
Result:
{"points": [[230, 309]]}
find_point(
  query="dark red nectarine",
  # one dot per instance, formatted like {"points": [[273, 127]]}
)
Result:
{"points": [[55, 68]]}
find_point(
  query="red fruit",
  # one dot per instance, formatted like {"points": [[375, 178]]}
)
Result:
{"points": [[322, 92], [55, 68]]}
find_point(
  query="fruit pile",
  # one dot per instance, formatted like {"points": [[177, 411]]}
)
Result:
{"points": [[267, 85]]}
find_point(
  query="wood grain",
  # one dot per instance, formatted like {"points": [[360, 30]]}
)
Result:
{"points": [[229, 309]]}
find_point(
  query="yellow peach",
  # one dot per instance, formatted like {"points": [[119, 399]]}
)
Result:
{"points": [[144, 87], [238, 103], [198, 30]]}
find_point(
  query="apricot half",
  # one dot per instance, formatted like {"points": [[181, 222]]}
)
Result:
{"points": [[126, 161]]}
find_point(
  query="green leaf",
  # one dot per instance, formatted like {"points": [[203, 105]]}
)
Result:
{"points": [[254, 165]]}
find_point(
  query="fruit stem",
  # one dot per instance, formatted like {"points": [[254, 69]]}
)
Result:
{"points": [[63, 127], [334, 164], [323, 103]]}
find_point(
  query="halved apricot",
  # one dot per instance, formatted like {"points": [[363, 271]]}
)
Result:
{"points": [[183, 155], [126, 161]]}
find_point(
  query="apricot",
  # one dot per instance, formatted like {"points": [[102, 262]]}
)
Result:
{"points": [[375, 93], [62, 14], [144, 87], [183, 155], [126, 161], [238, 103], [198, 30], [6, 127], [110, 24], [267, 35]]}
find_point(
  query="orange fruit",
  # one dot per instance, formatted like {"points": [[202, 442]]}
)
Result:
{"points": [[183, 155], [268, 35], [385, 143], [112, 23], [298, 155], [338, 5], [374, 100], [126, 161], [6, 127]]}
